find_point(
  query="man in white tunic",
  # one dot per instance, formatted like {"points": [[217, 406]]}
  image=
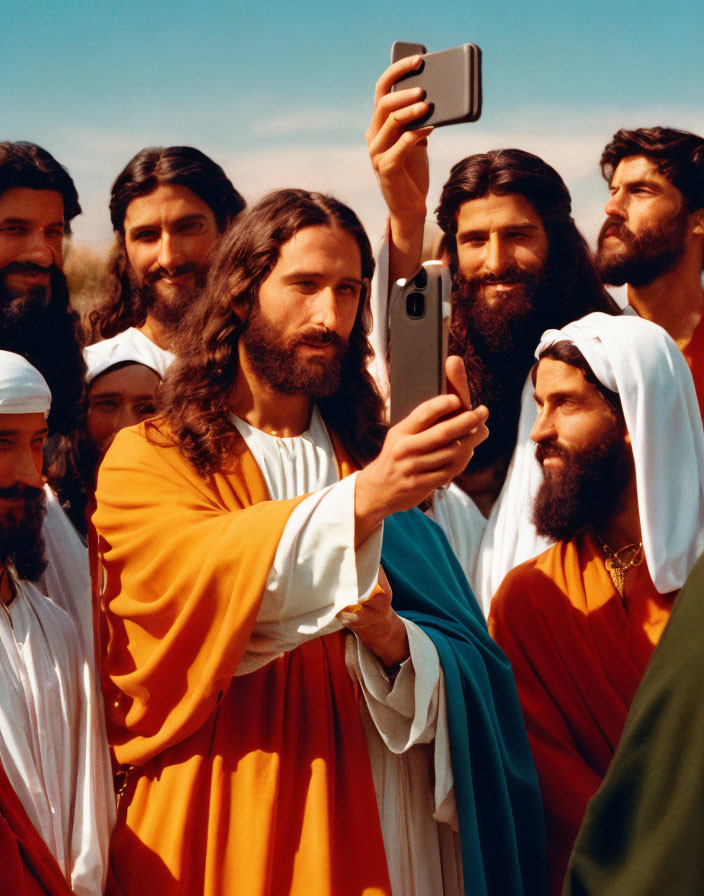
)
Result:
{"points": [[52, 739], [243, 510]]}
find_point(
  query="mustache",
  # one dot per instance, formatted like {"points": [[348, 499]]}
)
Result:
{"points": [[550, 448], [616, 227], [321, 336], [160, 273], [19, 490], [27, 267], [512, 274]]}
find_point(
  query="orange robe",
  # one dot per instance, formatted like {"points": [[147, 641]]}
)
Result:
{"points": [[257, 784], [27, 868], [694, 356], [578, 656]]}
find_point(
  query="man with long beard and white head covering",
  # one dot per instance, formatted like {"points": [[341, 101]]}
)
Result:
{"points": [[55, 785], [619, 438]]}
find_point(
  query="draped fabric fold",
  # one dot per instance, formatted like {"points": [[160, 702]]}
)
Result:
{"points": [[496, 788]]}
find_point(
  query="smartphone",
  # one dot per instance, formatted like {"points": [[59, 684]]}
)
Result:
{"points": [[451, 79], [400, 49], [419, 324]]}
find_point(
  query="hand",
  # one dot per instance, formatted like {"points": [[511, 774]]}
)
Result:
{"points": [[427, 449], [400, 160], [377, 625]]}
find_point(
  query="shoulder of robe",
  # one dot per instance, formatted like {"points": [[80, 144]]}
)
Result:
{"points": [[530, 585]]}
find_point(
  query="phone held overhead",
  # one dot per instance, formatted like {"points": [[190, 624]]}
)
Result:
{"points": [[451, 79]]}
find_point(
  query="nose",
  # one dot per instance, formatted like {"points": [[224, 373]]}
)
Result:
{"points": [[614, 208], [170, 251], [28, 469], [327, 311], [39, 251], [543, 427], [497, 257]]}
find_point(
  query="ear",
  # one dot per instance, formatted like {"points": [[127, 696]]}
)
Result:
{"points": [[698, 216]]}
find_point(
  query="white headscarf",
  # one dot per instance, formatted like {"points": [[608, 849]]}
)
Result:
{"points": [[23, 390], [639, 360], [130, 346]]}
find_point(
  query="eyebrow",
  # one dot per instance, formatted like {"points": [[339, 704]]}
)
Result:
{"points": [[16, 220], [480, 231], [316, 275], [640, 182], [16, 432], [184, 219]]}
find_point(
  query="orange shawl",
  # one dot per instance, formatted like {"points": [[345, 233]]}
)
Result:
{"points": [[694, 356], [578, 658], [258, 784]]}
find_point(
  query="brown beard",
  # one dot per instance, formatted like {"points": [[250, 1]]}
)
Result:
{"points": [[167, 313], [497, 345], [21, 539], [276, 361], [643, 258], [589, 489]]}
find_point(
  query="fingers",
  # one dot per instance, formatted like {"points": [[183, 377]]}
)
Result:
{"points": [[457, 379], [391, 117], [395, 71]]}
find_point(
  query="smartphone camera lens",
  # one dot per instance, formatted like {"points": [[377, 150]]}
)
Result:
{"points": [[415, 304], [420, 281]]}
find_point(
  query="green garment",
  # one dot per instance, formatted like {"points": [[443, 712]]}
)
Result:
{"points": [[643, 833], [496, 786]]}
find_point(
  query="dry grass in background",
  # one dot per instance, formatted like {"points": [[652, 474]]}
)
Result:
{"points": [[86, 271]]}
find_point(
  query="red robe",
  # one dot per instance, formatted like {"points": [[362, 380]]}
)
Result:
{"points": [[578, 656], [694, 356], [27, 868]]}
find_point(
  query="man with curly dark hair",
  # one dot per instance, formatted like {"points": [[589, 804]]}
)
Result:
{"points": [[653, 236], [289, 696]]}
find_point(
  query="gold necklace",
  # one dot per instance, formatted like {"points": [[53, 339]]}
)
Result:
{"points": [[618, 563]]}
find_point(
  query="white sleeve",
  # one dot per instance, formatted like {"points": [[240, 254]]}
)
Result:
{"points": [[411, 709], [315, 574]]}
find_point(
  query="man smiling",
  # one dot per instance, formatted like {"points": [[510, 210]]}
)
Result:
{"points": [[169, 207]]}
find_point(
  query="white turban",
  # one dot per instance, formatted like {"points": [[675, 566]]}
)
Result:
{"points": [[23, 390], [131, 346], [639, 360]]}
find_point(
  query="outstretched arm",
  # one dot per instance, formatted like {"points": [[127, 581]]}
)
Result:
{"points": [[400, 160]]}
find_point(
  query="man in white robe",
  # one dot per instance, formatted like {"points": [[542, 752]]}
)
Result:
{"points": [[52, 735]]}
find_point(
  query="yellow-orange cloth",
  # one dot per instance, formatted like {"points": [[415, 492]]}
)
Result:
{"points": [[259, 784], [578, 656], [694, 356]]}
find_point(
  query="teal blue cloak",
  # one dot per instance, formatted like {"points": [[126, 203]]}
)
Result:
{"points": [[496, 786]]}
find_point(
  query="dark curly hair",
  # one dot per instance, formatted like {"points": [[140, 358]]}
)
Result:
{"points": [[678, 156], [195, 393], [25, 164], [578, 289], [151, 168]]}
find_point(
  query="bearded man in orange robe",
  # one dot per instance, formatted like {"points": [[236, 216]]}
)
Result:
{"points": [[283, 728], [619, 439]]}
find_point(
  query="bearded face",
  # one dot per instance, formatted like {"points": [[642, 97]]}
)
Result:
{"points": [[496, 340], [22, 511], [166, 297], [586, 489], [277, 359], [639, 258]]}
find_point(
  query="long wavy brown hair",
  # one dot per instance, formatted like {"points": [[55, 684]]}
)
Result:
{"points": [[153, 167], [195, 394]]}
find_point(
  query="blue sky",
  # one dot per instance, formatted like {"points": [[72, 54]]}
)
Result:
{"points": [[280, 93]]}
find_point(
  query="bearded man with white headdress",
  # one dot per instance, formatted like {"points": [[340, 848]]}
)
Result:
{"points": [[56, 798], [619, 438]]}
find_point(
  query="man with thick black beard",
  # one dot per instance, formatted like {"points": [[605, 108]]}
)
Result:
{"points": [[518, 262], [617, 412], [56, 796], [653, 237]]}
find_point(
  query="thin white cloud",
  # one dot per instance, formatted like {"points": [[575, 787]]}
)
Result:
{"points": [[571, 140]]}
